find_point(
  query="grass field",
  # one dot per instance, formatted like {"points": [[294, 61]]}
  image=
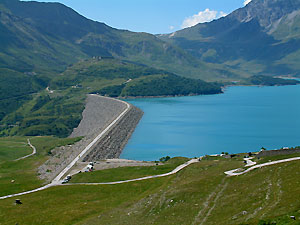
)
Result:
{"points": [[12, 148], [127, 173], [24, 172], [199, 194]]}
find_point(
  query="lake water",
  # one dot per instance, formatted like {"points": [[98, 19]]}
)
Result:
{"points": [[242, 119]]}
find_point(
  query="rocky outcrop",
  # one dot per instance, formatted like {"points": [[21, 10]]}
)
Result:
{"points": [[266, 12]]}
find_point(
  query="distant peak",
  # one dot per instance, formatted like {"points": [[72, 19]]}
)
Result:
{"points": [[267, 12]]}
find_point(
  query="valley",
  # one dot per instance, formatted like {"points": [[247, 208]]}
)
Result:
{"points": [[100, 125]]}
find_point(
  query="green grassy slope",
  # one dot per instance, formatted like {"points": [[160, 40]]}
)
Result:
{"points": [[24, 172], [115, 78], [200, 194], [12, 148], [47, 37], [15, 89], [127, 173], [46, 114]]}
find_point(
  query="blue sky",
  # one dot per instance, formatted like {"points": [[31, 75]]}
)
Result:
{"points": [[152, 16]]}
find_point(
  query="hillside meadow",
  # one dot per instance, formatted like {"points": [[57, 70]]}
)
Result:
{"points": [[199, 194]]}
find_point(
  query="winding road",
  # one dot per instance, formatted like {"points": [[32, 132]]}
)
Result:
{"points": [[236, 172], [249, 162], [33, 151], [57, 180], [176, 170]]}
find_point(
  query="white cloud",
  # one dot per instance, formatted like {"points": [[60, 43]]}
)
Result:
{"points": [[203, 16], [246, 2], [171, 27]]}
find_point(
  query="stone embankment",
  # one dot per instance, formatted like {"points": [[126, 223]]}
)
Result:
{"points": [[112, 144], [98, 114]]}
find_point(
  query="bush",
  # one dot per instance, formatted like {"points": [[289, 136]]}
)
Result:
{"points": [[165, 159]]}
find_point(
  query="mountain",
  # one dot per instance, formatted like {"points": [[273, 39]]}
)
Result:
{"points": [[47, 37], [261, 38], [46, 45]]}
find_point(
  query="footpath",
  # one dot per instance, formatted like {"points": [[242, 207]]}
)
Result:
{"points": [[33, 151]]}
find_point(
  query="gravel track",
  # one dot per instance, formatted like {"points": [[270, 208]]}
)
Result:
{"points": [[33, 151], [176, 170]]}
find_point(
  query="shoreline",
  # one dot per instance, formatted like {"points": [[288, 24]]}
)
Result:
{"points": [[104, 153], [223, 89], [165, 96], [287, 77], [111, 147]]}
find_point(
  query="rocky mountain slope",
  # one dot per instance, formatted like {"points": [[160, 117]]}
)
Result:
{"points": [[261, 38]]}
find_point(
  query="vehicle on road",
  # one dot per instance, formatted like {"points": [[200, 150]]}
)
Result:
{"points": [[65, 181]]}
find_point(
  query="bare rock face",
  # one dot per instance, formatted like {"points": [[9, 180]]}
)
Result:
{"points": [[266, 12]]}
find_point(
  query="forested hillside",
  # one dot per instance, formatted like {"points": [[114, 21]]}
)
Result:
{"points": [[57, 109]]}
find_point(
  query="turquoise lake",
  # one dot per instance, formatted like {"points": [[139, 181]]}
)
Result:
{"points": [[242, 119]]}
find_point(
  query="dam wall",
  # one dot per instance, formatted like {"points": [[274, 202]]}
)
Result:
{"points": [[99, 112]]}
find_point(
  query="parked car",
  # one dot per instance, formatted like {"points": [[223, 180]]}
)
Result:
{"points": [[65, 181]]}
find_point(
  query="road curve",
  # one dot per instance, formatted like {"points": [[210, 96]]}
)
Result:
{"points": [[176, 170], [33, 151], [236, 173], [57, 180], [249, 162], [28, 192]]}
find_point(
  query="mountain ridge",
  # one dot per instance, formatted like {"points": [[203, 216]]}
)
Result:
{"points": [[59, 30], [253, 39]]}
